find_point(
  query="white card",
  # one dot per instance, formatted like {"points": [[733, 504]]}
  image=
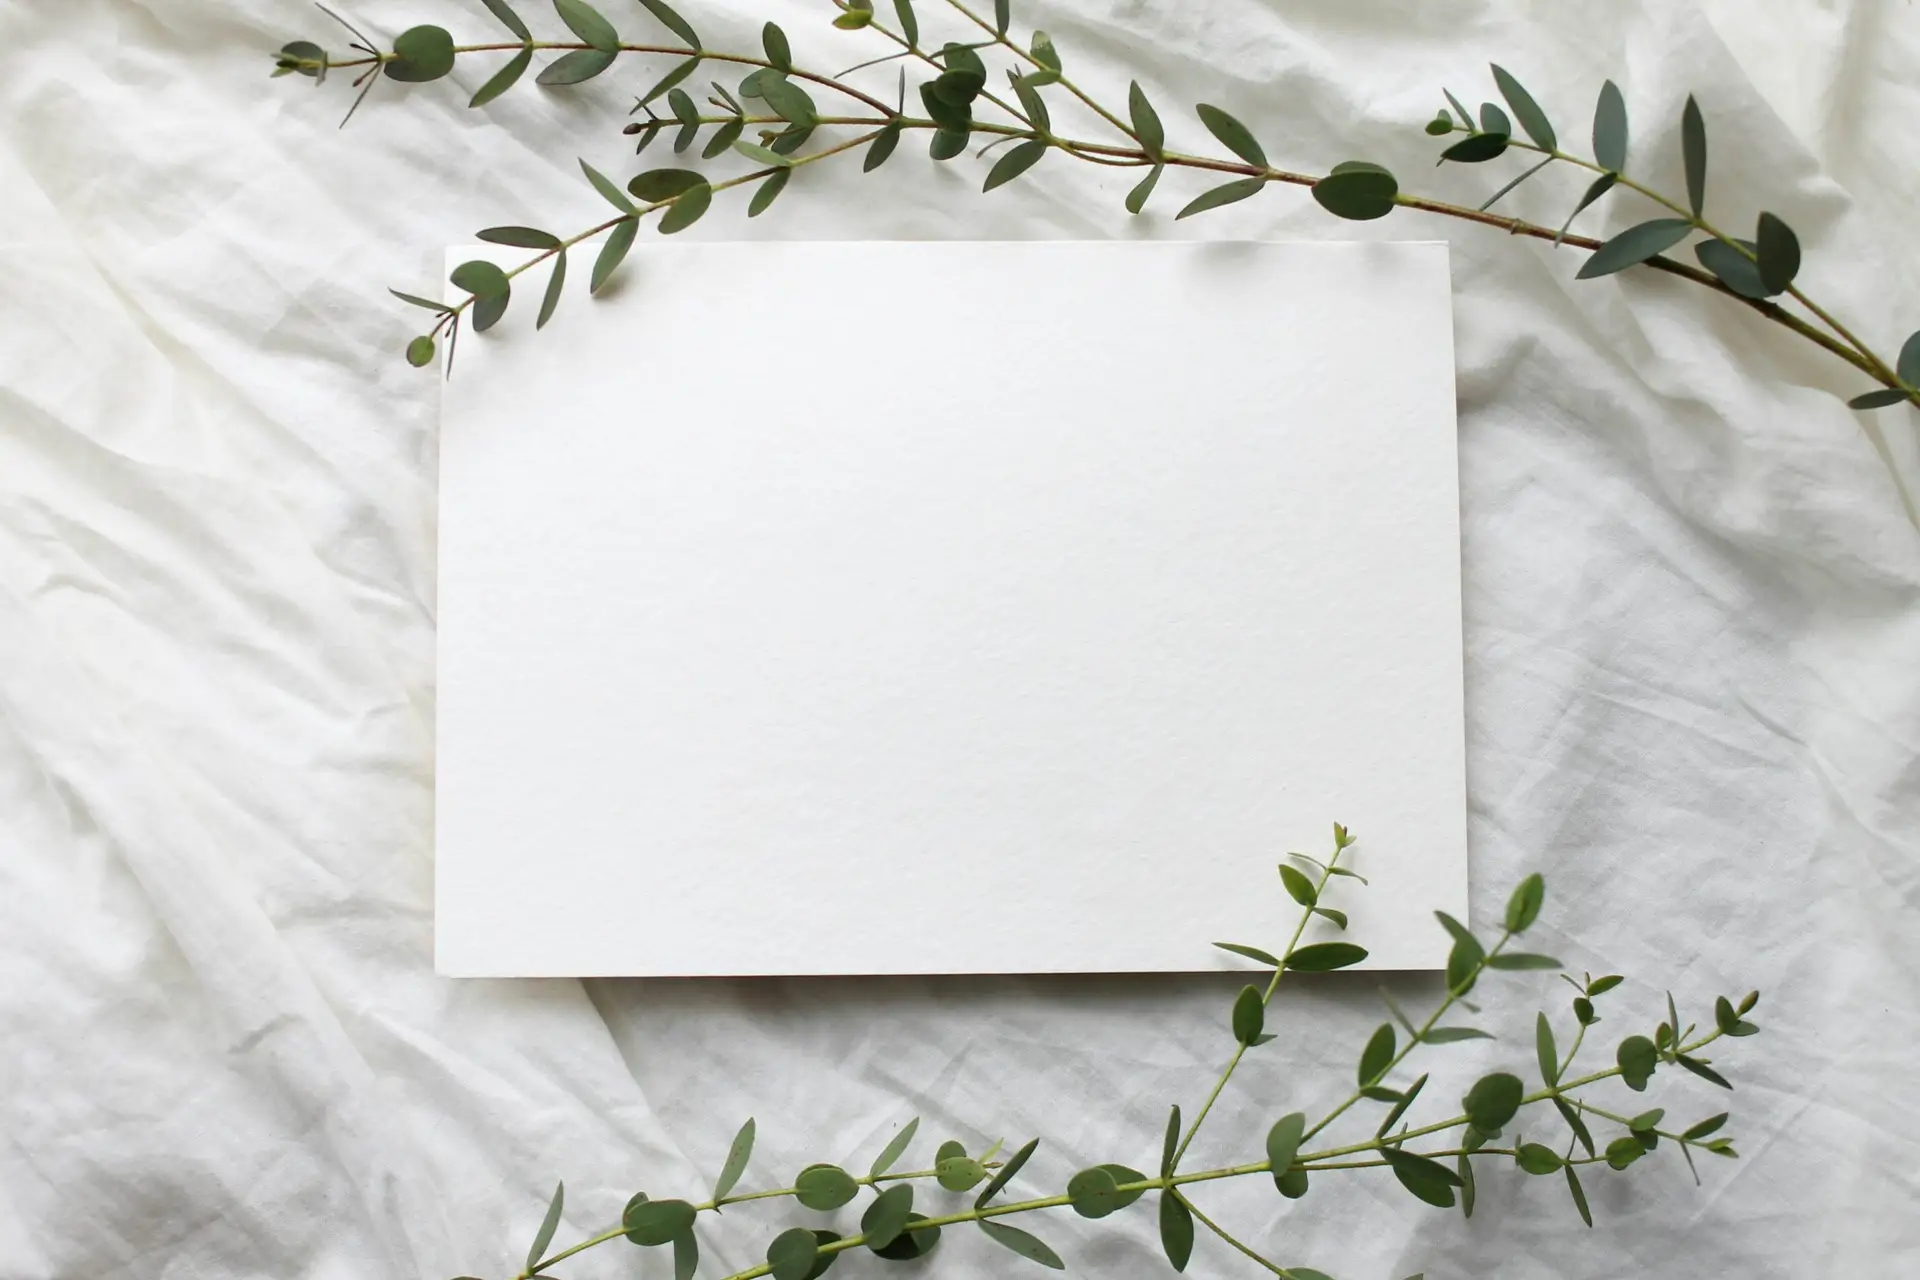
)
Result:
{"points": [[855, 608]]}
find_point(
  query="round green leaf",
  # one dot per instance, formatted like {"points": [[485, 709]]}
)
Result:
{"points": [[420, 351], [1292, 1183], [947, 143], [487, 311], [792, 1253], [1622, 1152], [300, 51], [887, 1216], [656, 1222], [1283, 1142], [1122, 1175], [1440, 126], [1637, 1058], [912, 1242], [1536, 1159], [958, 87], [1733, 268], [1357, 191], [1494, 120], [420, 54], [480, 278], [1094, 1192], [1493, 1100], [824, 1187], [788, 100], [958, 1172]]}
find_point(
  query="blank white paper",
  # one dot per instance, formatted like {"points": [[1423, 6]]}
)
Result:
{"points": [[855, 608]]}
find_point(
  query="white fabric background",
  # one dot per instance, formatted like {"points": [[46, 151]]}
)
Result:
{"points": [[1690, 623]]}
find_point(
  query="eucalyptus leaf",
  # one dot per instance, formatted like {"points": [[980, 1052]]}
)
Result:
{"points": [[1283, 1141], [914, 1242], [1002, 16], [576, 67], [1702, 1070], [1712, 1124], [722, 140], [1251, 953], [790, 139], [1427, 1179], [1005, 1174], [1463, 963], [613, 253], [672, 21], [947, 143], [1232, 134], [1137, 198], [895, 1148], [1512, 960], [588, 23], [1610, 128], [881, 148], [1622, 1152], [1378, 1054], [909, 24], [1733, 268], [774, 41], [824, 1187], [544, 1237], [608, 191], [1357, 191], [420, 351], [958, 56], [656, 185], [768, 192], [428, 303], [556, 282], [520, 237], [1476, 148], [887, 1216], [508, 18], [1176, 1230], [1024, 1243], [1634, 245], [958, 88], [1094, 1193], [1168, 1145], [1778, 250], [1523, 905], [1579, 1196], [1879, 398], [1637, 1059], [1298, 887], [503, 79], [1525, 109], [1575, 1123], [656, 1222], [1015, 162], [1032, 104], [1324, 957], [1400, 1106], [1494, 120], [792, 1253], [1493, 1100], [788, 100], [1146, 121], [1041, 47], [1249, 1015], [686, 1255], [1908, 369], [1453, 1035], [686, 209], [1693, 151], [1595, 189], [420, 54], [669, 81], [1536, 1159], [480, 278]]}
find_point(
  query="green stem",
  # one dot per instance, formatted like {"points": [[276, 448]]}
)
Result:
{"points": [[1228, 1236], [1266, 998]]}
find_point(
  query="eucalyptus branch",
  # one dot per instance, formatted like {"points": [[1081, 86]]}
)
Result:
{"points": [[891, 1229], [1753, 272]]}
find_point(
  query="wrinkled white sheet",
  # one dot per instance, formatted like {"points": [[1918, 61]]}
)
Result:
{"points": [[1690, 625]]}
